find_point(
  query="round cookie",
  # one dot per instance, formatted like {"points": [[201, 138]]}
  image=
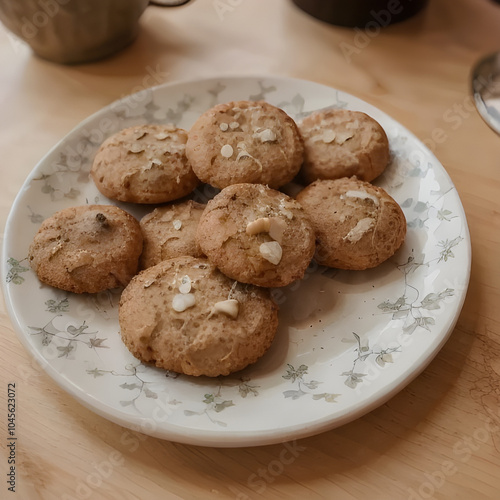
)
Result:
{"points": [[170, 231], [358, 225], [256, 235], [144, 164], [89, 248], [243, 141], [186, 316], [342, 143]]}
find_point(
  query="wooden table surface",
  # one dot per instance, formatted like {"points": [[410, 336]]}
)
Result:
{"points": [[439, 437]]}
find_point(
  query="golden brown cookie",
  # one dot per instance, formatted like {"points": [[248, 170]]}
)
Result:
{"points": [[144, 164], [87, 249], [342, 143], [186, 316], [245, 141], [170, 231], [256, 235], [358, 225]]}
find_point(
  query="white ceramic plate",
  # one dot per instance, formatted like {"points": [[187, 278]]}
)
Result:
{"points": [[347, 341]]}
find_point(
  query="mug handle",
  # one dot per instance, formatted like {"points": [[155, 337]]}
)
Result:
{"points": [[169, 3]]}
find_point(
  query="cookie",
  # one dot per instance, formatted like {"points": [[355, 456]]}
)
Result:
{"points": [[144, 164], [256, 235], [243, 141], [170, 231], [341, 143], [186, 316], [358, 225], [87, 249]]}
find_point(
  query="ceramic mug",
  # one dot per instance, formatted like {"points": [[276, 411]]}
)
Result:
{"points": [[76, 31]]}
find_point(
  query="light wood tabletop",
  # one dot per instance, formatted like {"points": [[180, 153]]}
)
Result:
{"points": [[440, 436]]}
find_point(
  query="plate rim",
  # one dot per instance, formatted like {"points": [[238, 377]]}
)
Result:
{"points": [[238, 438]]}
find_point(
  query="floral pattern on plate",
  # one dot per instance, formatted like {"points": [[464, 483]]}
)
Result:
{"points": [[347, 341]]}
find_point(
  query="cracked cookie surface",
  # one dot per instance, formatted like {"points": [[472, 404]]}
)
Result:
{"points": [[144, 164], [358, 225], [184, 315], [255, 234], [245, 142], [170, 231], [342, 143], [90, 248]]}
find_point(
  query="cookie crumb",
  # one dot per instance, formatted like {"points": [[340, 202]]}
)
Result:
{"points": [[200, 266], [284, 209], [271, 251], [229, 307], [233, 288], [342, 137], [258, 226], [183, 301], [277, 229], [102, 220], [328, 136], [266, 135], [185, 286], [56, 249], [357, 232], [135, 148], [274, 226], [141, 134], [363, 195], [226, 151]]}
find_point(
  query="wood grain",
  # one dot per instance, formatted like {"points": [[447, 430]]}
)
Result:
{"points": [[438, 438]]}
